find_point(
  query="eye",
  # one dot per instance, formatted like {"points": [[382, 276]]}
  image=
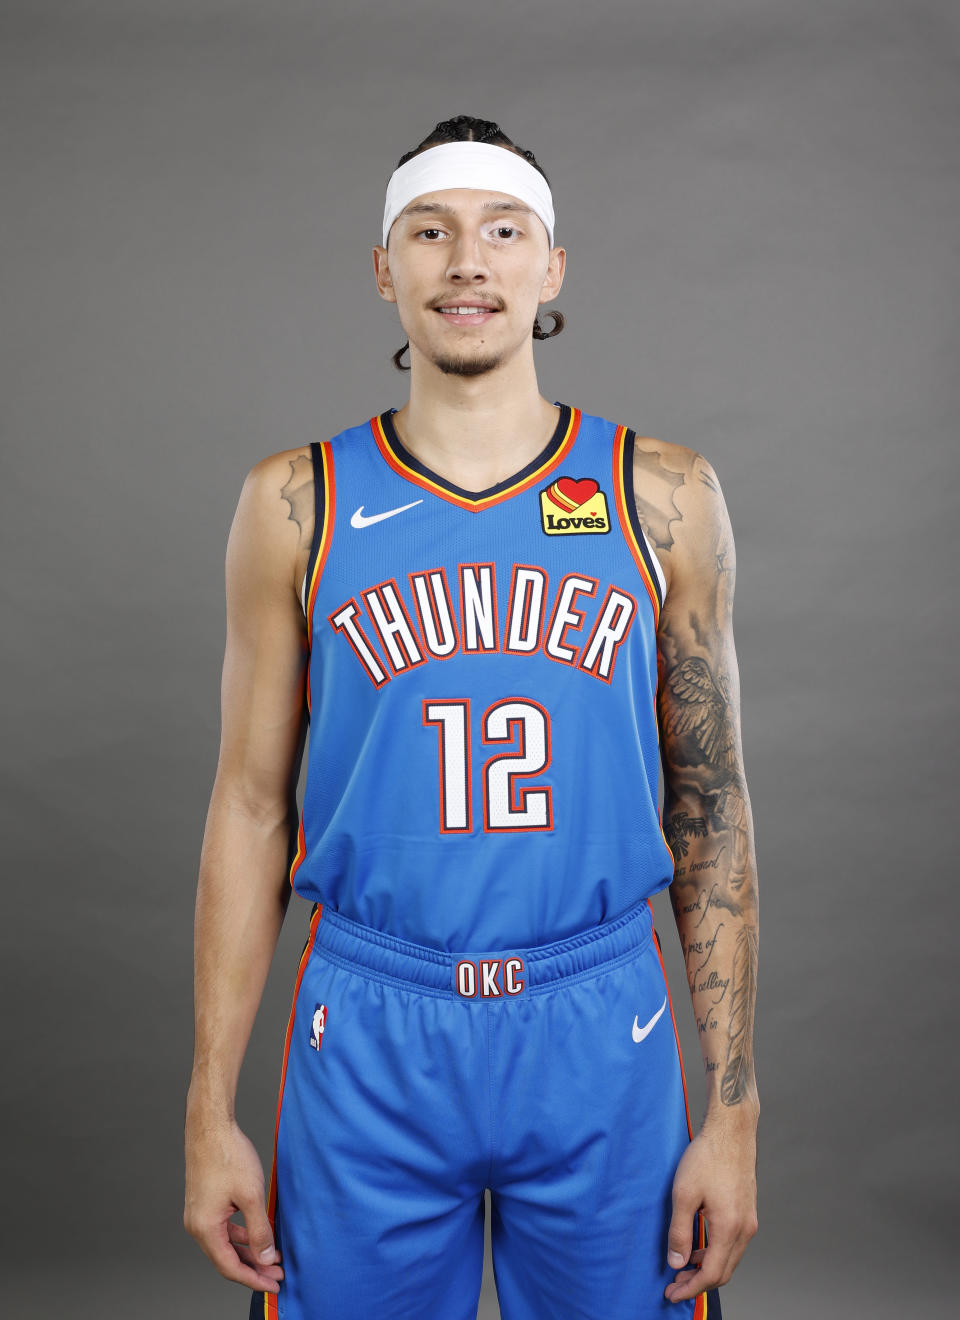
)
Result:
{"points": [[499, 230]]}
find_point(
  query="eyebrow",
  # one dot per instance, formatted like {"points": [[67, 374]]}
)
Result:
{"points": [[438, 208]]}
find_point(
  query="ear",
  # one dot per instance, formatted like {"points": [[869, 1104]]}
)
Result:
{"points": [[553, 279], [381, 266]]}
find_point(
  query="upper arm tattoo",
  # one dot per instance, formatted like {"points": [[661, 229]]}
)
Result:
{"points": [[655, 486], [298, 492], [699, 701]]}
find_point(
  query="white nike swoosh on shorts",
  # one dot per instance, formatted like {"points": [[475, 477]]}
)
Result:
{"points": [[640, 1033], [359, 519]]}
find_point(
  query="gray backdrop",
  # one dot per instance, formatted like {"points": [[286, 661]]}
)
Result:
{"points": [[759, 203]]}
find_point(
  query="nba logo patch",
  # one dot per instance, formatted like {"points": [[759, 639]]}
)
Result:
{"points": [[317, 1026], [570, 506]]}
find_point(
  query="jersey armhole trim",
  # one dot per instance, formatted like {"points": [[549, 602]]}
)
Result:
{"points": [[324, 504], [643, 553]]}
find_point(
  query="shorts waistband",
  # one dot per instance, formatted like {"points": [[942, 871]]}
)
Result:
{"points": [[486, 974]]}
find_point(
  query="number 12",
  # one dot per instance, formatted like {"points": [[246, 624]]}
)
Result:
{"points": [[507, 805]]}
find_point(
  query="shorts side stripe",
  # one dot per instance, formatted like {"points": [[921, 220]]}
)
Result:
{"points": [[700, 1311], [269, 1298]]}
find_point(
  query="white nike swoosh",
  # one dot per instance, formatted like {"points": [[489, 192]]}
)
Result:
{"points": [[359, 519], [640, 1032]]}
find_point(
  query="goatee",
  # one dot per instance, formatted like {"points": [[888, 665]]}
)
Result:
{"points": [[460, 365]]}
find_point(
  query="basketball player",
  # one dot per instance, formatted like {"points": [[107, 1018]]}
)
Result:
{"points": [[499, 615]]}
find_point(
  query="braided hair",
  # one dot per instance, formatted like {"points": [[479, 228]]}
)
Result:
{"points": [[464, 128]]}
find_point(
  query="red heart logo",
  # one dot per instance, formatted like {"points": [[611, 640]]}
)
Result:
{"points": [[572, 493]]}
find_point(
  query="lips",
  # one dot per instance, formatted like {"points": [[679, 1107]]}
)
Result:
{"points": [[482, 312]]}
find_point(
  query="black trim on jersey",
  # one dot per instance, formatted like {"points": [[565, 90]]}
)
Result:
{"points": [[630, 501], [319, 514], [309, 923], [713, 1303], [408, 460]]}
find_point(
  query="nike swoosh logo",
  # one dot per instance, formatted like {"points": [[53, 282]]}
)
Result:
{"points": [[640, 1033], [359, 519]]}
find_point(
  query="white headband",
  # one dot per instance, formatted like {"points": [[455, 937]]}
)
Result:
{"points": [[468, 165]]}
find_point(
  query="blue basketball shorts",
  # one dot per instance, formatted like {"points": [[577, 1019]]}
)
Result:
{"points": [[413, 1079]]}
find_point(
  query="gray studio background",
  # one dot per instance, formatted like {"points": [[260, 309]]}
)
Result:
{"points": [[759, 204]]}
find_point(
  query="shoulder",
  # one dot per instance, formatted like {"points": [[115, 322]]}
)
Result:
{"points": [[279, 487], [275, 513], [280, 466], [681, 508]]}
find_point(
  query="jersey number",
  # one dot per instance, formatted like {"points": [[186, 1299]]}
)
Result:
{"points": [[507, 803]]}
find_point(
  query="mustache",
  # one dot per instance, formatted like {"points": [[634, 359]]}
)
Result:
{"points": [[451, 299]]}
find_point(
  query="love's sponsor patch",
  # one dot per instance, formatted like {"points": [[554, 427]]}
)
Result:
{"points": [[572, 505]]}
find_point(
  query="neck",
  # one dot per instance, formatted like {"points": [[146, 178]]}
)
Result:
{"points": [[475, 430]]}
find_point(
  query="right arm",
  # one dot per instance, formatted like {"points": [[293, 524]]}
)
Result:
{"points": [[243, 887]]}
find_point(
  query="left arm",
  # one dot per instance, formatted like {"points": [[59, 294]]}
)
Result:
{"points": [[708, 826]]}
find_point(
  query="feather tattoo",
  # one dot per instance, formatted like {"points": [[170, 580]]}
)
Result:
{"points": [[732, 1088]]}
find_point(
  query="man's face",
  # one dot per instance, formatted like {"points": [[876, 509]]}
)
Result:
{"points": [[461, 246]]}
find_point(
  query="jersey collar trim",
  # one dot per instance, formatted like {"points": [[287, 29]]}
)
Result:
{"points": [[410, 468]]}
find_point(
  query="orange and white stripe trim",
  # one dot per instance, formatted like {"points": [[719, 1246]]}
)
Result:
{"points": [[325, 508], [700, 1301], [270, 1311], [623, 442]]}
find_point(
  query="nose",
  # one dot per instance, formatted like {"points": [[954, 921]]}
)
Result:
{"points": [[468, 260]]}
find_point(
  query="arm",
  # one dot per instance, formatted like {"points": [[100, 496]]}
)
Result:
{"points": [[708, 825], [243, 887]]}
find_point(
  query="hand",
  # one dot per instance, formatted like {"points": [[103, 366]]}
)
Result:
{"points": [[224, 1174], [716, 1174]]}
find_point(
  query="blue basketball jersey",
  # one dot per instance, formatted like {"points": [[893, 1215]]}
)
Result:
{"points": [[483, 747]]}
